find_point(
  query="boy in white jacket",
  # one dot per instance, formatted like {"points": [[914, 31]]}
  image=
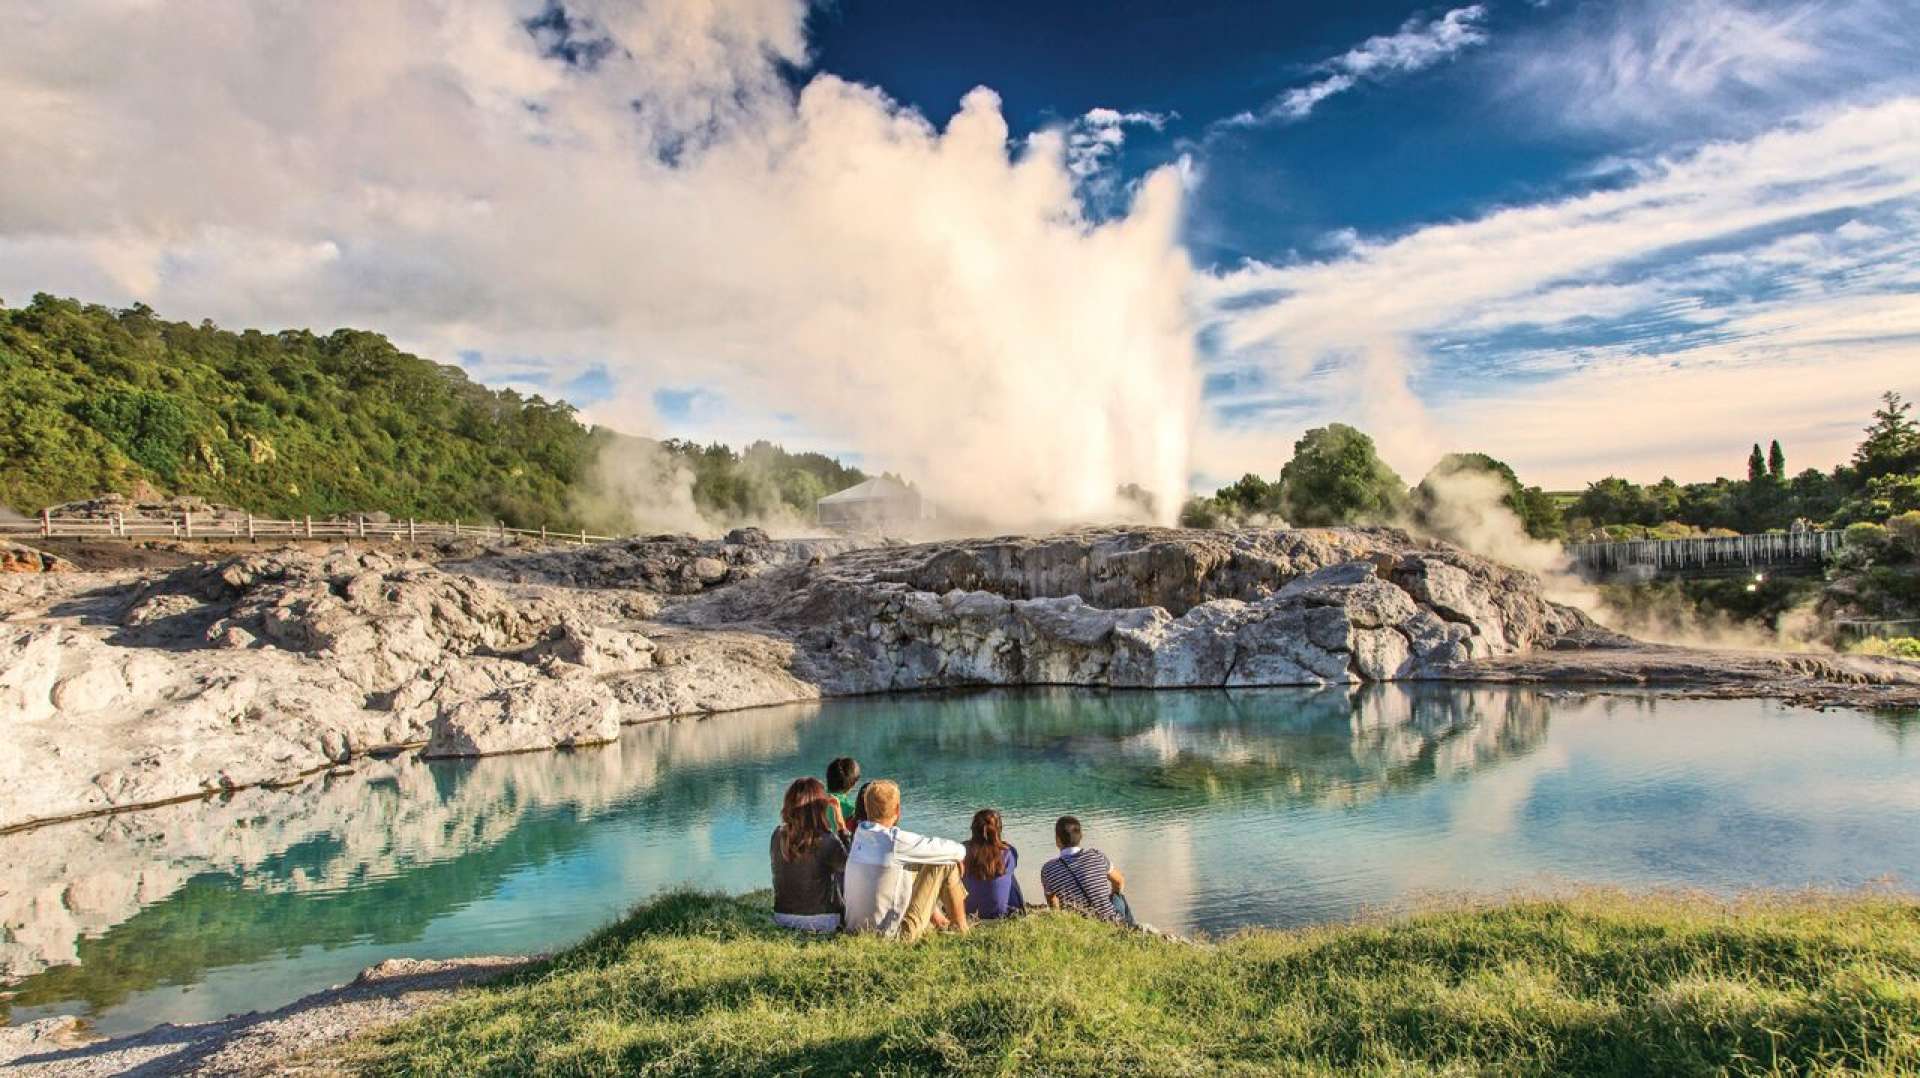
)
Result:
{"points": [[895, 878]]}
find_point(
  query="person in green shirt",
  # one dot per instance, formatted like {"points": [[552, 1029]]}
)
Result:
{"points": [[843, 778]]}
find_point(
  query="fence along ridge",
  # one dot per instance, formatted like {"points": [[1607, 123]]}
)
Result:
{"points": [[214, 526], [1706, 552]]}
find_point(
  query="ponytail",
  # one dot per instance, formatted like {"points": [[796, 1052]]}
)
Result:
{"points": [[986, 854]]}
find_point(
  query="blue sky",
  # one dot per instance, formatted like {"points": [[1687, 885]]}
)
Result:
{"points": [[1426, 146], [1462, 133], [1141, 241], [1456, 135]]}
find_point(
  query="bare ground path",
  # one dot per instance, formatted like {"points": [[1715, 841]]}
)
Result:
{"points": [[292, 1040]]}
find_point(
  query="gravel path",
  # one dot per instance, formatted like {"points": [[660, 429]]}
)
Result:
{"points": [[286, 1041]]}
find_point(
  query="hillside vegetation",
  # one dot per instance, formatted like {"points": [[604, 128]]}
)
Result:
{"points": [[1598, 984], [291, 423]]}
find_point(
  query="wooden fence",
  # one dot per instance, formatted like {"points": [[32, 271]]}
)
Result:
{"points": [[1706, 557], [214, 526]]}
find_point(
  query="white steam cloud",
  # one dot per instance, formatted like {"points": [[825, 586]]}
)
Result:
{"points": [[608, 185]]}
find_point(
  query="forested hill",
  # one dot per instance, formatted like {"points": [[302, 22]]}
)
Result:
{"points": [[290, 423]]}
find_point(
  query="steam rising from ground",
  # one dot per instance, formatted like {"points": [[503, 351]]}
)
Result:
{"points": [[635, 486], [634, 188], [1468, 509]]}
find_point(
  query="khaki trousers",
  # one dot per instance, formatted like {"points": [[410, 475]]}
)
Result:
{"points": [[929, 883]]}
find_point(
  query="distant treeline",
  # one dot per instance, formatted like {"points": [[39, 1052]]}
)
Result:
{"points": [[291, 423], [1336, 476]]}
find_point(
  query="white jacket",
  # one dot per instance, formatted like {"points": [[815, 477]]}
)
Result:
{"points": [[879, 874]]}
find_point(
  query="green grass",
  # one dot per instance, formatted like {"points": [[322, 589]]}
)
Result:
{"points": [[1597, 983]]}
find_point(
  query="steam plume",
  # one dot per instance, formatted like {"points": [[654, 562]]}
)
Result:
{"points": [[634, 188]]}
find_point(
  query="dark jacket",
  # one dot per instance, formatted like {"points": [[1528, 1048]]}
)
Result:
{"points": [[810, 885]]}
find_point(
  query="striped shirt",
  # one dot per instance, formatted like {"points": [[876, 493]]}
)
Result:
{"points": [[1078, 878]]}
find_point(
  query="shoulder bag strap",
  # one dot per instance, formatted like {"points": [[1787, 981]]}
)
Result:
{"points": [[1074, 875]]}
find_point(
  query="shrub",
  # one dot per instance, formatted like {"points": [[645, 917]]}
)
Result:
{"points": [[1904, 532], [1870, 539], [1201, 513], [1899, 647]]}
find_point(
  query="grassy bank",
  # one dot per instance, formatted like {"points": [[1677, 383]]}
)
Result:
{"points": [[1593, 984]]}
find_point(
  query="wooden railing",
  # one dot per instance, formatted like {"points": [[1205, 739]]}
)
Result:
{"points": [[1706, 557], [214, 526]]}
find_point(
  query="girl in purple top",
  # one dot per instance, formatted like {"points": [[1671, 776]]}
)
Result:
{"points": [[987, 871]]}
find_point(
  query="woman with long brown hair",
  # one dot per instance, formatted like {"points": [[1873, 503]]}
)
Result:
{"points": [[808, 859], [987, 871]]}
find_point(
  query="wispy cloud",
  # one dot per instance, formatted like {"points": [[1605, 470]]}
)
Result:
{"points": [[1676, 63], [1418, 45], [1713, 285]]}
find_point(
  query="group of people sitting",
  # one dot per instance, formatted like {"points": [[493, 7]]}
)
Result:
{"points": [[841, 860]]}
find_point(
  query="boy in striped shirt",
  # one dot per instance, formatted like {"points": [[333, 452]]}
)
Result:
{"points": [[1082, 879]]}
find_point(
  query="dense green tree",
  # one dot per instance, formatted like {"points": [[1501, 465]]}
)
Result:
{"points": [[291, 423], [1336, 476], [1539, 514], [1663, 499], [1888, 495], [1615, 501], [1777, 462], [153, 429], [1756, 465], [1248, 495], [1892, 444], [1815, 495]]}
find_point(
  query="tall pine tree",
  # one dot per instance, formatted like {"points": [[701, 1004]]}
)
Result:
{"points": [[1777, 461], [1756, 465], [1892, 444]]}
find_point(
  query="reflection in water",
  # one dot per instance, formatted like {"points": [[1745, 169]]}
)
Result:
{"points": [[1224, 808]]}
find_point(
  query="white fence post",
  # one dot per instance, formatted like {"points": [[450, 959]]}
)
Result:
{"points": [[46, 522], [412, 534], [249, 527]]}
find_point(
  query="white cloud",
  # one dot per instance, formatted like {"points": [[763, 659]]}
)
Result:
{"points": [[1739, 239], [1679, 63], [1418, 45], [1556, 305], [664, 206], [1093, 139]]}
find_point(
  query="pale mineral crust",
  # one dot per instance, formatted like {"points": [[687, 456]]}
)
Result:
{"points": [[132, 688]]}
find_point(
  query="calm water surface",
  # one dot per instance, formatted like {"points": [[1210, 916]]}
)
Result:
{"points": [[1224, 809]]}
